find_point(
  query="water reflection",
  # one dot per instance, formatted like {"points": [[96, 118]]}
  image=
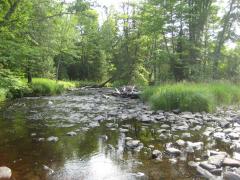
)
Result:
{"points": [[102, 165]]}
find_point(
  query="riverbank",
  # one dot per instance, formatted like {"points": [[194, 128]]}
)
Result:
{"points": [[13, 87], [194, 97]]}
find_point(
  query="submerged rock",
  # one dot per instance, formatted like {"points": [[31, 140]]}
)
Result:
{"points": [[52, 139], [46, 168], [173, 151], [133, 143], [186, 135], [193, 164], [5, 173], [71, 133], [195, 145], [180, 142], [156, 154]]}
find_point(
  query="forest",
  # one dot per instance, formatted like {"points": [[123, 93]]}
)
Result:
{"points": [[141, 43]]}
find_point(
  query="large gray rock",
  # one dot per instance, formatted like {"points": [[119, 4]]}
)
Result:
{"points": [[231, 162], [5, 172]]}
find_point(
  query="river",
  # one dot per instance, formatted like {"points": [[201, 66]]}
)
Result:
{"points": [[82, 135]]}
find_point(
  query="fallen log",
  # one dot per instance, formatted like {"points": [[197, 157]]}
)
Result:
{"points": [[127, 92]]}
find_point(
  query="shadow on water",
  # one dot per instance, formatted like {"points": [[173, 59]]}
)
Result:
{"points": [[97, 152]]}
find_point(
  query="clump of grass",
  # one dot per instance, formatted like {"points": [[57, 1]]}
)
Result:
{"points": [[195, 97], [41, 86]]}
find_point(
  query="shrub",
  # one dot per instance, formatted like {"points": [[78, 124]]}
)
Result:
{"points": [[12, 86]]}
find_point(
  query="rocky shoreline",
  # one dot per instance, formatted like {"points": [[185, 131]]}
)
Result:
{"points": [[222, 127]]}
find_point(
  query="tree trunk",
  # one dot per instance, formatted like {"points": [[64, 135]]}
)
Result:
{"points": [[29, 76], [58, 67], [221, 41]]}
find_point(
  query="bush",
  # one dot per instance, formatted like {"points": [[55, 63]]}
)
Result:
{"points": [[12, 86], [192, 97]]}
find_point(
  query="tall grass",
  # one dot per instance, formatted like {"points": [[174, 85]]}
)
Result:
{"points": [[195, 97], [41, 86]]}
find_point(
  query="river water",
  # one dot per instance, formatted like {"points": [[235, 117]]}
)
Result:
{"points": [[97, 150]]}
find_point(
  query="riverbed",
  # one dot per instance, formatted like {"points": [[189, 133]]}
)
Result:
{"points": [[87, 134]]}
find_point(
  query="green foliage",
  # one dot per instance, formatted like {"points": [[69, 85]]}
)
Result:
{"points": [[12, 86], [191, 96], [3, 94]]}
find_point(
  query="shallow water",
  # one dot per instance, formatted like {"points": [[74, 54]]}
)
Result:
{"points": [[98, 150]]}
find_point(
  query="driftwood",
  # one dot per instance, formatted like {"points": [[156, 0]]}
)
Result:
{"points": [[127, 92]]}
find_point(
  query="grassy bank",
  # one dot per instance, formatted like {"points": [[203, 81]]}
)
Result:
{"points": [[192, 97], [13, 87], [40, 86]]}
